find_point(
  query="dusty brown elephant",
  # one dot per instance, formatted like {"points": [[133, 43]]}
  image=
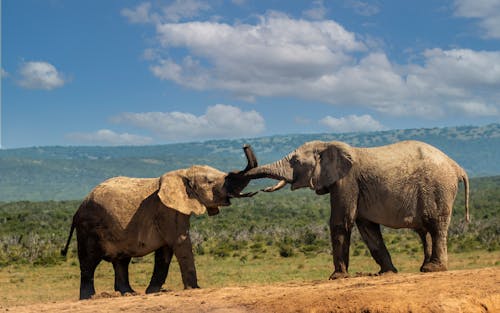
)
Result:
{"points": [[409, 184], [127, 217]]}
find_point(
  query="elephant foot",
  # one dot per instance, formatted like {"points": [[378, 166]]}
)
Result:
{"points": [[86, 296], [124, 291], [386, 273], [391, 270], [433, 267], [153, 289], [338, 275], [86, 293]]}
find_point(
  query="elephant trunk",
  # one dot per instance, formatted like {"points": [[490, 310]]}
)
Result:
{"points": [[236, 181], [251, 158], [280, 170]]}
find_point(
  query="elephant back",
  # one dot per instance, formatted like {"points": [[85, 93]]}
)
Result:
{"points": [[121, 196]]}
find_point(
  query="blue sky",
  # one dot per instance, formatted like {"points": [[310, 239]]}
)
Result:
{"points": [[131, 73]]}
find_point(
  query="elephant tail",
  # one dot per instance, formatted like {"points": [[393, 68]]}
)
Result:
{"points": [[64, 251], [465, 180]]}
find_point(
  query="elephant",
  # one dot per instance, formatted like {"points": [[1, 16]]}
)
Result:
{"points": [[409, 184], [127, 217]]}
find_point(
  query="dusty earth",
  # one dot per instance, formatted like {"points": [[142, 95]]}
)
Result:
{"points": [[454, 291]]}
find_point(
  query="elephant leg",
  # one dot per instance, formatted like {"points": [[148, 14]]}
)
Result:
{"points": [[87, 270], [89, 255], [439, 257], [372, 236], [426, 239], [343, 209], [341, 238], [183, 251], [163, 256], [122, 283]]}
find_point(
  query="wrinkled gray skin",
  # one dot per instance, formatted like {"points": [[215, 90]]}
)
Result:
{"points": [[409, 184], [127, 217]]}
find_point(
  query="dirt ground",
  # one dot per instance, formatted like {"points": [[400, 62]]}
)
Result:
{"points": [[453, 291]]}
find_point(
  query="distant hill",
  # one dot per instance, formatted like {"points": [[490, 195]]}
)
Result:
{"points": [[61, 173]]}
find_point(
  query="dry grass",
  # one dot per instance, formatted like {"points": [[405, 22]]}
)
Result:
{"points": [[24, 284]]}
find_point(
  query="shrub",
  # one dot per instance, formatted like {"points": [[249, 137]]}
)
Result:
{"points": [[286, 250]]}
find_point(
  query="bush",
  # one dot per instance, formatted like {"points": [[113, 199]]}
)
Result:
{"points": [[289, 222], [286, 250]]}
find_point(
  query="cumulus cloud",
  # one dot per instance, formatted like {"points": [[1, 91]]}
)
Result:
{"points": [[279, 56], [352, 123], [4, 73], [266, 59], [486, 11], [219, 121], [40, 75], [459, 81], [109, 137]]}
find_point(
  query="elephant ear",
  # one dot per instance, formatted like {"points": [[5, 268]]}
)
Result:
{"points": [[176, 192], [332, 163]]}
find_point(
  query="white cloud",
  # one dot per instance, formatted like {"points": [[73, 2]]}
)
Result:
{"points": [[317, 12], [4, 73], [181, 9], [472, 108], [486, 11], [140, 14], [363, 7], [219, 121], [459, 81], [109, 137], [265, 59], [40, 75], [352, 123], [174, 12], [279, 56]]}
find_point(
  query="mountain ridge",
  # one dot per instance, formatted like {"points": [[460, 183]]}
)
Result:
{"points": [[69, 172]]}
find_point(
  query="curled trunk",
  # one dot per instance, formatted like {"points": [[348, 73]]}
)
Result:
{"points": [[236, 181], [251, 158]]}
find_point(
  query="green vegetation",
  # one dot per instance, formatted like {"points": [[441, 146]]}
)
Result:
{"points": [[62, 173], [269, 238], [285, 224]]}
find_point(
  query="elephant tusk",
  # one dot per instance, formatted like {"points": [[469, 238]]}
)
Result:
{"points": [[278, 186], [248, 194], [244, 195]]}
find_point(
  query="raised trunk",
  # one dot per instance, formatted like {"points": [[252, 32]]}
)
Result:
{"points": [[236, 181], [251, 158]]}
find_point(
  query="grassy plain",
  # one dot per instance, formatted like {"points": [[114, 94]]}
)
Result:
{"points": [[26, 284], [268, 238]]}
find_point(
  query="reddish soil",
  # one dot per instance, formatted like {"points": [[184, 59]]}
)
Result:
{"points": [[454, 291]]}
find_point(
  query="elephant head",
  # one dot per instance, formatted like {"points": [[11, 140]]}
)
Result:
{"points": [[202, 188], [315, 164]]}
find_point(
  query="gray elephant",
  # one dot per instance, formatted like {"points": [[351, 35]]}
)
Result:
{"points": [[130, 217], [409, 184]]}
